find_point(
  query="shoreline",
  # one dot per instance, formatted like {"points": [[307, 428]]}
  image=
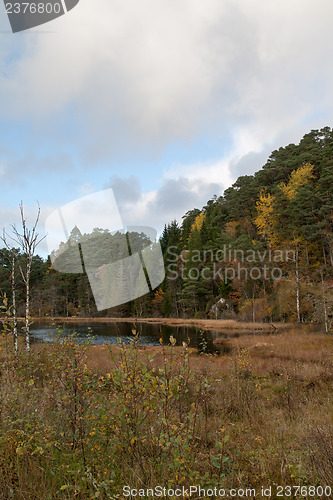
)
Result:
{"points": [[219, 325]]}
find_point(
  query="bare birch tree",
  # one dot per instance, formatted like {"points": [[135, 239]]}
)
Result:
{"points": [[28, 239]]}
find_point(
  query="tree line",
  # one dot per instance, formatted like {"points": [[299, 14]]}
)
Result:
{"points": [[263, 251], [278, 220]]}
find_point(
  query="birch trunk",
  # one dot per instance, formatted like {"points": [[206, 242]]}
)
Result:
{"points": [[27, 306], [14, 307], [28, 241], [297, 287]]}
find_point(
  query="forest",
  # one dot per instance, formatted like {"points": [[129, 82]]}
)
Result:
{"points": [[262, 251], [80, 420]]}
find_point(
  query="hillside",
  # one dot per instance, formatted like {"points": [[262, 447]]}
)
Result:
{"points": [[263, 251]]}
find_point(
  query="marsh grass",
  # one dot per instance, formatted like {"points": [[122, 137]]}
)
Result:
{"points": [[82, 421]]}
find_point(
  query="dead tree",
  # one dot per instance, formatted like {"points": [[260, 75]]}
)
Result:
{"points": [[28, 240]]}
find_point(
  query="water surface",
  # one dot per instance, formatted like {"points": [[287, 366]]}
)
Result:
{"points": [[149, 334]]}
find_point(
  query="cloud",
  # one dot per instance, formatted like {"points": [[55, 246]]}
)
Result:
{"points": [[177, 196], [192, 186], [126, 190], [116, 81], [20, 166], [139, 75]]}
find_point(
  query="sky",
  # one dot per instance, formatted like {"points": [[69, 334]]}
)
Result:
{"points": [[165, 101]]}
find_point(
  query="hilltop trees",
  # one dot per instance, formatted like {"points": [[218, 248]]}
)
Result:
{"points": [[285, 207], [284, 219], [265, 247]]}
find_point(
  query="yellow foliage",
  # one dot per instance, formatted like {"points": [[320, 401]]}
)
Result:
{"points": [[267, 213], [266, 218], [257, 309], [197, 224], [158, 298], [298, 179]]}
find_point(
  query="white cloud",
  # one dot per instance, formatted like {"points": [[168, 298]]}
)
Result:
{"points": [[118, 78], [85, 189], [141, 74], [182, 188]]}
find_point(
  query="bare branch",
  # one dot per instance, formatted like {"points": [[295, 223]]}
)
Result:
{"points": [[28, 240]]}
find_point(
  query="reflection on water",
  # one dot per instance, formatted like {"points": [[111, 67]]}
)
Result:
{"points": [[150, 334]]}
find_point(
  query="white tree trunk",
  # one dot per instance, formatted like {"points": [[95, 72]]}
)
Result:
{"points": [[297, 287], [14, 307], [27, 306], [28, 240]]}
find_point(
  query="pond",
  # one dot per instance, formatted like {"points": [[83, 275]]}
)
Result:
{"points": [[108, 332]]}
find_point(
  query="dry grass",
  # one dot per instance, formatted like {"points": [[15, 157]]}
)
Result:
{"points": [[268, 401], [308, 352]]}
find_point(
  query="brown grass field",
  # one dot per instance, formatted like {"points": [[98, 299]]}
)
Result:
{"points": [[81, 422]]}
